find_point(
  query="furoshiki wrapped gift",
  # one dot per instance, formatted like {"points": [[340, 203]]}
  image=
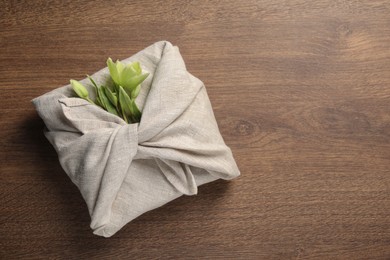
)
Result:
{"points": [[126, 169]]}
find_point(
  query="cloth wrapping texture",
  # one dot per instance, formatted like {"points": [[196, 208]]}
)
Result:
{"points": [[124, 170]]}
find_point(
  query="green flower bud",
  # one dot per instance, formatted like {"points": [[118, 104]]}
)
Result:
{"points": [[80, 90]]}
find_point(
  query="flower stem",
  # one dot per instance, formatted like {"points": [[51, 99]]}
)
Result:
{"points": [[89, 100]]}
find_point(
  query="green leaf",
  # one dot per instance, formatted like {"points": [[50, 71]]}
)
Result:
{"points": [[92, 81], [132, 83], [98, 99], [94, 85], [137, 67], [106, 102], [99, 102], [136, 112], [111, 96], [119, 67], [113, 70], [100, 94], [124, 101], [115, 88], [135, 92]]}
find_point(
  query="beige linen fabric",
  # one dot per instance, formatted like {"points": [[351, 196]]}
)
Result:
{"points": [[124, 170]]}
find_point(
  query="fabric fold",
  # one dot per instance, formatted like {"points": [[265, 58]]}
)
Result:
{"points": [[124, 170]]}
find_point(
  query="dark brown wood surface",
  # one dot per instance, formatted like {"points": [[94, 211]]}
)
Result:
{"points": [[301, 93]]}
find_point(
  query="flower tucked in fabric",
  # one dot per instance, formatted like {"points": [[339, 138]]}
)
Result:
{"points": [[128, 76]]}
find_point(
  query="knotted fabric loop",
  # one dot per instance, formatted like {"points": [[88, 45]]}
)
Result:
{"points": [[90, 121]]}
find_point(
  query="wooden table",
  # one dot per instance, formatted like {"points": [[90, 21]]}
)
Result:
{"points": [[301, 93]]}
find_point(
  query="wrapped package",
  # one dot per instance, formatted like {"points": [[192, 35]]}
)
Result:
{"points": [[124, 170]]}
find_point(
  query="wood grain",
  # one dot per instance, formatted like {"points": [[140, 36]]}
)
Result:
{"points": [[300, 90]]}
